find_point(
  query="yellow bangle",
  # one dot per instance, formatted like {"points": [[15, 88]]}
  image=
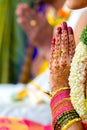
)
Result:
{"points": [[70, 123], [59, 90]]}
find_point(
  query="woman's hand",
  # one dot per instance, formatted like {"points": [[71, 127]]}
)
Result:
{"points": [[34, 24], [62, 51]]}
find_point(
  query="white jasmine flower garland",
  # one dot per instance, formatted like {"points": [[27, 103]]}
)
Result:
{"points": [[77, 78]]}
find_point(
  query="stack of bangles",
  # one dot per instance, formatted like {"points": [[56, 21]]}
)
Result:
{"points": [[63, 113]]}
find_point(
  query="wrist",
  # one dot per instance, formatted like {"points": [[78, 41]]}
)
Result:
{"points": [[57, 85], [54, 88]]}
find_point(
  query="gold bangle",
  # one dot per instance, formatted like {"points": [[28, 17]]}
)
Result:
{"points": [[70, 123], [59, 90]]}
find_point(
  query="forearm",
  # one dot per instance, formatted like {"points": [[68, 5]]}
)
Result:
{"points": [[64, 117], [76, 126]]}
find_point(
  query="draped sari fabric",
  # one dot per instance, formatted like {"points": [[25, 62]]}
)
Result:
{"points": [[12, 42], [15, 124]]}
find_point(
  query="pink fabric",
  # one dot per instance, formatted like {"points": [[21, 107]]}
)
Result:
{"points": [[47, 128], [4, 128], [38, 126], [17, 124], [85, 125]]}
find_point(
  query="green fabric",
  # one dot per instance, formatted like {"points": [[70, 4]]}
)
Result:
{"points": [[12, 42], [83, 36]]}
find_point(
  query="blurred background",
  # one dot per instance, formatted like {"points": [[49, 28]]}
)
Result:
{"points": [[26, 30], [13, 42]]}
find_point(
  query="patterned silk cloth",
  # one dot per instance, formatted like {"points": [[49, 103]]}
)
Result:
{"points": [[15, 124]]}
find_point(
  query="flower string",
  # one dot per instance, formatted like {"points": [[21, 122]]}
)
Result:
{"points": [[77, 78]]}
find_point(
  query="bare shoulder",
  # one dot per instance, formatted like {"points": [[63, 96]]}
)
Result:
{"points": [[82, 22], [83, 18]]}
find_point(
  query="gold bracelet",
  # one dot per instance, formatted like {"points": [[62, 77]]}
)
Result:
{"points": [[70, 123]]}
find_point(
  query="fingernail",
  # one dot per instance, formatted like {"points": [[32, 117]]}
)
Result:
{"points": [[53, 40], [58, 30], [64, 25], [70, 30]]}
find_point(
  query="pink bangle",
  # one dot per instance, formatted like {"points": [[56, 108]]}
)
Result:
{"points": [[61, 105], [60, 96], [61, 110]]}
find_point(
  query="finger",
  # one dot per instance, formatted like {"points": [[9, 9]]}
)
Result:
{"points": [[24, 19], [24, 26], [20, 9], [64, 45], [21, 21], [23, 10], [51, 53], [71, 44], [31, 18], [57, 51]]}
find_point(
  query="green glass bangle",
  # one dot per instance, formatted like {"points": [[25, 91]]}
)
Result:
{"points": [[65, 118]]}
